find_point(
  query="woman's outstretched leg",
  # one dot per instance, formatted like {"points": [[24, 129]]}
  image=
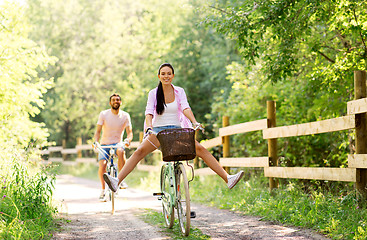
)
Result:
{"points": [[210, 160], [144, 149]]}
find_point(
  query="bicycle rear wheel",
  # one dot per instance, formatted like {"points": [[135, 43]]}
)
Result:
{"points": [[183, 199], [168, 210]]}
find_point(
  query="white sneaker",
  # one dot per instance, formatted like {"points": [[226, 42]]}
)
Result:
{"points": [[102, 197], [123, 185], [234, 179], [113, 183]]}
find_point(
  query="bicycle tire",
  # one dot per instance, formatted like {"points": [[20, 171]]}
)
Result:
{"points": [[168, 211], [113, 174], [183, 199]]}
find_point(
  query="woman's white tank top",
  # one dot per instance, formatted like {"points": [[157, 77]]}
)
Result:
{"points": [[169, 116]]}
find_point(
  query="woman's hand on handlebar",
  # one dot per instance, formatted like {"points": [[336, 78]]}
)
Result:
{"points": [[197, 126], [148, 131]]}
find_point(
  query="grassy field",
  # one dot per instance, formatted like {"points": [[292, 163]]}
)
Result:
{"points": [[339, 214]]}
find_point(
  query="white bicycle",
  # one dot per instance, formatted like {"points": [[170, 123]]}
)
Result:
{"points": [[111, 166]]}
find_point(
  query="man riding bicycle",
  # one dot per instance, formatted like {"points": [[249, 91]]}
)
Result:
{"points": [[112, 123]]}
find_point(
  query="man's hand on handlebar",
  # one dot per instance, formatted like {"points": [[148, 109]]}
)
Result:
{"points": [[95, 146], [126, 143]]}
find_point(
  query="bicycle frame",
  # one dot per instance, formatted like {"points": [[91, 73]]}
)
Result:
{"points": [[110, 155], [112, 152]]}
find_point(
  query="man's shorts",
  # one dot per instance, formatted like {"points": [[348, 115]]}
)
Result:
{"points": [[105, 155]]}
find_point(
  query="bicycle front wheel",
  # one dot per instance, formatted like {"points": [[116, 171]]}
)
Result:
{"points": [[113, 173], [183, 200], [166, 197]]}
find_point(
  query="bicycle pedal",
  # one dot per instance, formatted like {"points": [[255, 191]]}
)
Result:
{"points": [[192, 214], [158, 194]]}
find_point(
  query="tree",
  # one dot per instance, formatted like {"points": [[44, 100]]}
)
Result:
{"points": [[21, 84]]}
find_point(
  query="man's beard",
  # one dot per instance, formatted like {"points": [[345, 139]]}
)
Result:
{"points": [[114, 107]]}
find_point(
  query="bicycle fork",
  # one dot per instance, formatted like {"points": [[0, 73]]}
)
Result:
{"points": [[178, 173]]}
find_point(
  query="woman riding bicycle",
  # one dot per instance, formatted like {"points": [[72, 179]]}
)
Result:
{"points": [[167, 107]]}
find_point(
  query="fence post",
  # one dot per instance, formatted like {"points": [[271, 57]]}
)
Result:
{"points": [[226, 143], [79, 151], [63, 147], [361, 128], [196, 159], [141, 136], [272, 143]]}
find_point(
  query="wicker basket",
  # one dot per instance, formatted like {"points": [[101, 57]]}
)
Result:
{"points": [[177, 144]]}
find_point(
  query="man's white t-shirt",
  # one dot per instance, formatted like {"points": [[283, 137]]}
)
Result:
{"points": [[113, 125]]}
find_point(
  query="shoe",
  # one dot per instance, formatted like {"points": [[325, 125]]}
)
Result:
{"points": [[123, 185], [234, 179], [102, 197], [112, 182]]}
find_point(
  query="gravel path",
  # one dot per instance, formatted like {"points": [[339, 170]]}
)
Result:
{"points": [[91, 219]]}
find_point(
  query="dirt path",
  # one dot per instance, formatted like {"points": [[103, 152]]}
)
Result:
{"points": [[91, 219]]}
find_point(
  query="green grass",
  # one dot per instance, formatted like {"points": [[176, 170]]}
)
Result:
{"points": [[156, 219], [338, 217], [83, 170], [26, 209]]}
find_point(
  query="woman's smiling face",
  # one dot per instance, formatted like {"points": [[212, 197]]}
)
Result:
{"points": [[166, 75]]}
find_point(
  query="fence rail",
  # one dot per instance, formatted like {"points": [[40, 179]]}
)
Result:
{"points": [[324, 126], [77, 150], [244, 127]]}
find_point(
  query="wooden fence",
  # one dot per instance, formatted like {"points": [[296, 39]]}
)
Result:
{"points": [[78, 150], [355, 119]]}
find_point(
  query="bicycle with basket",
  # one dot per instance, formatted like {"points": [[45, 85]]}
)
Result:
{"points": [[177, 145]]}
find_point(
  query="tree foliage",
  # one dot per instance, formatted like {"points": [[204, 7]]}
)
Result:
{"points": [[21, 86], [200, 55], [289, 35], [301, 54]]}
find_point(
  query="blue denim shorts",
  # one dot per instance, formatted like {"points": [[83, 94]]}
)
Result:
{"points": [[106, 155], [156, 130]]}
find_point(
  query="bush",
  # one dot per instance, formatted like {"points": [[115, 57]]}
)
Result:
{"points": [[26, 210]]}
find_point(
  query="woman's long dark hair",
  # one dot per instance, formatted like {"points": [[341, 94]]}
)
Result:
{"points": [[161, 103]]}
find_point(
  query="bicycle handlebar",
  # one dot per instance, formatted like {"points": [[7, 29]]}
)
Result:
{"points": [[199, 127], [100, 148], [150, 131]]}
